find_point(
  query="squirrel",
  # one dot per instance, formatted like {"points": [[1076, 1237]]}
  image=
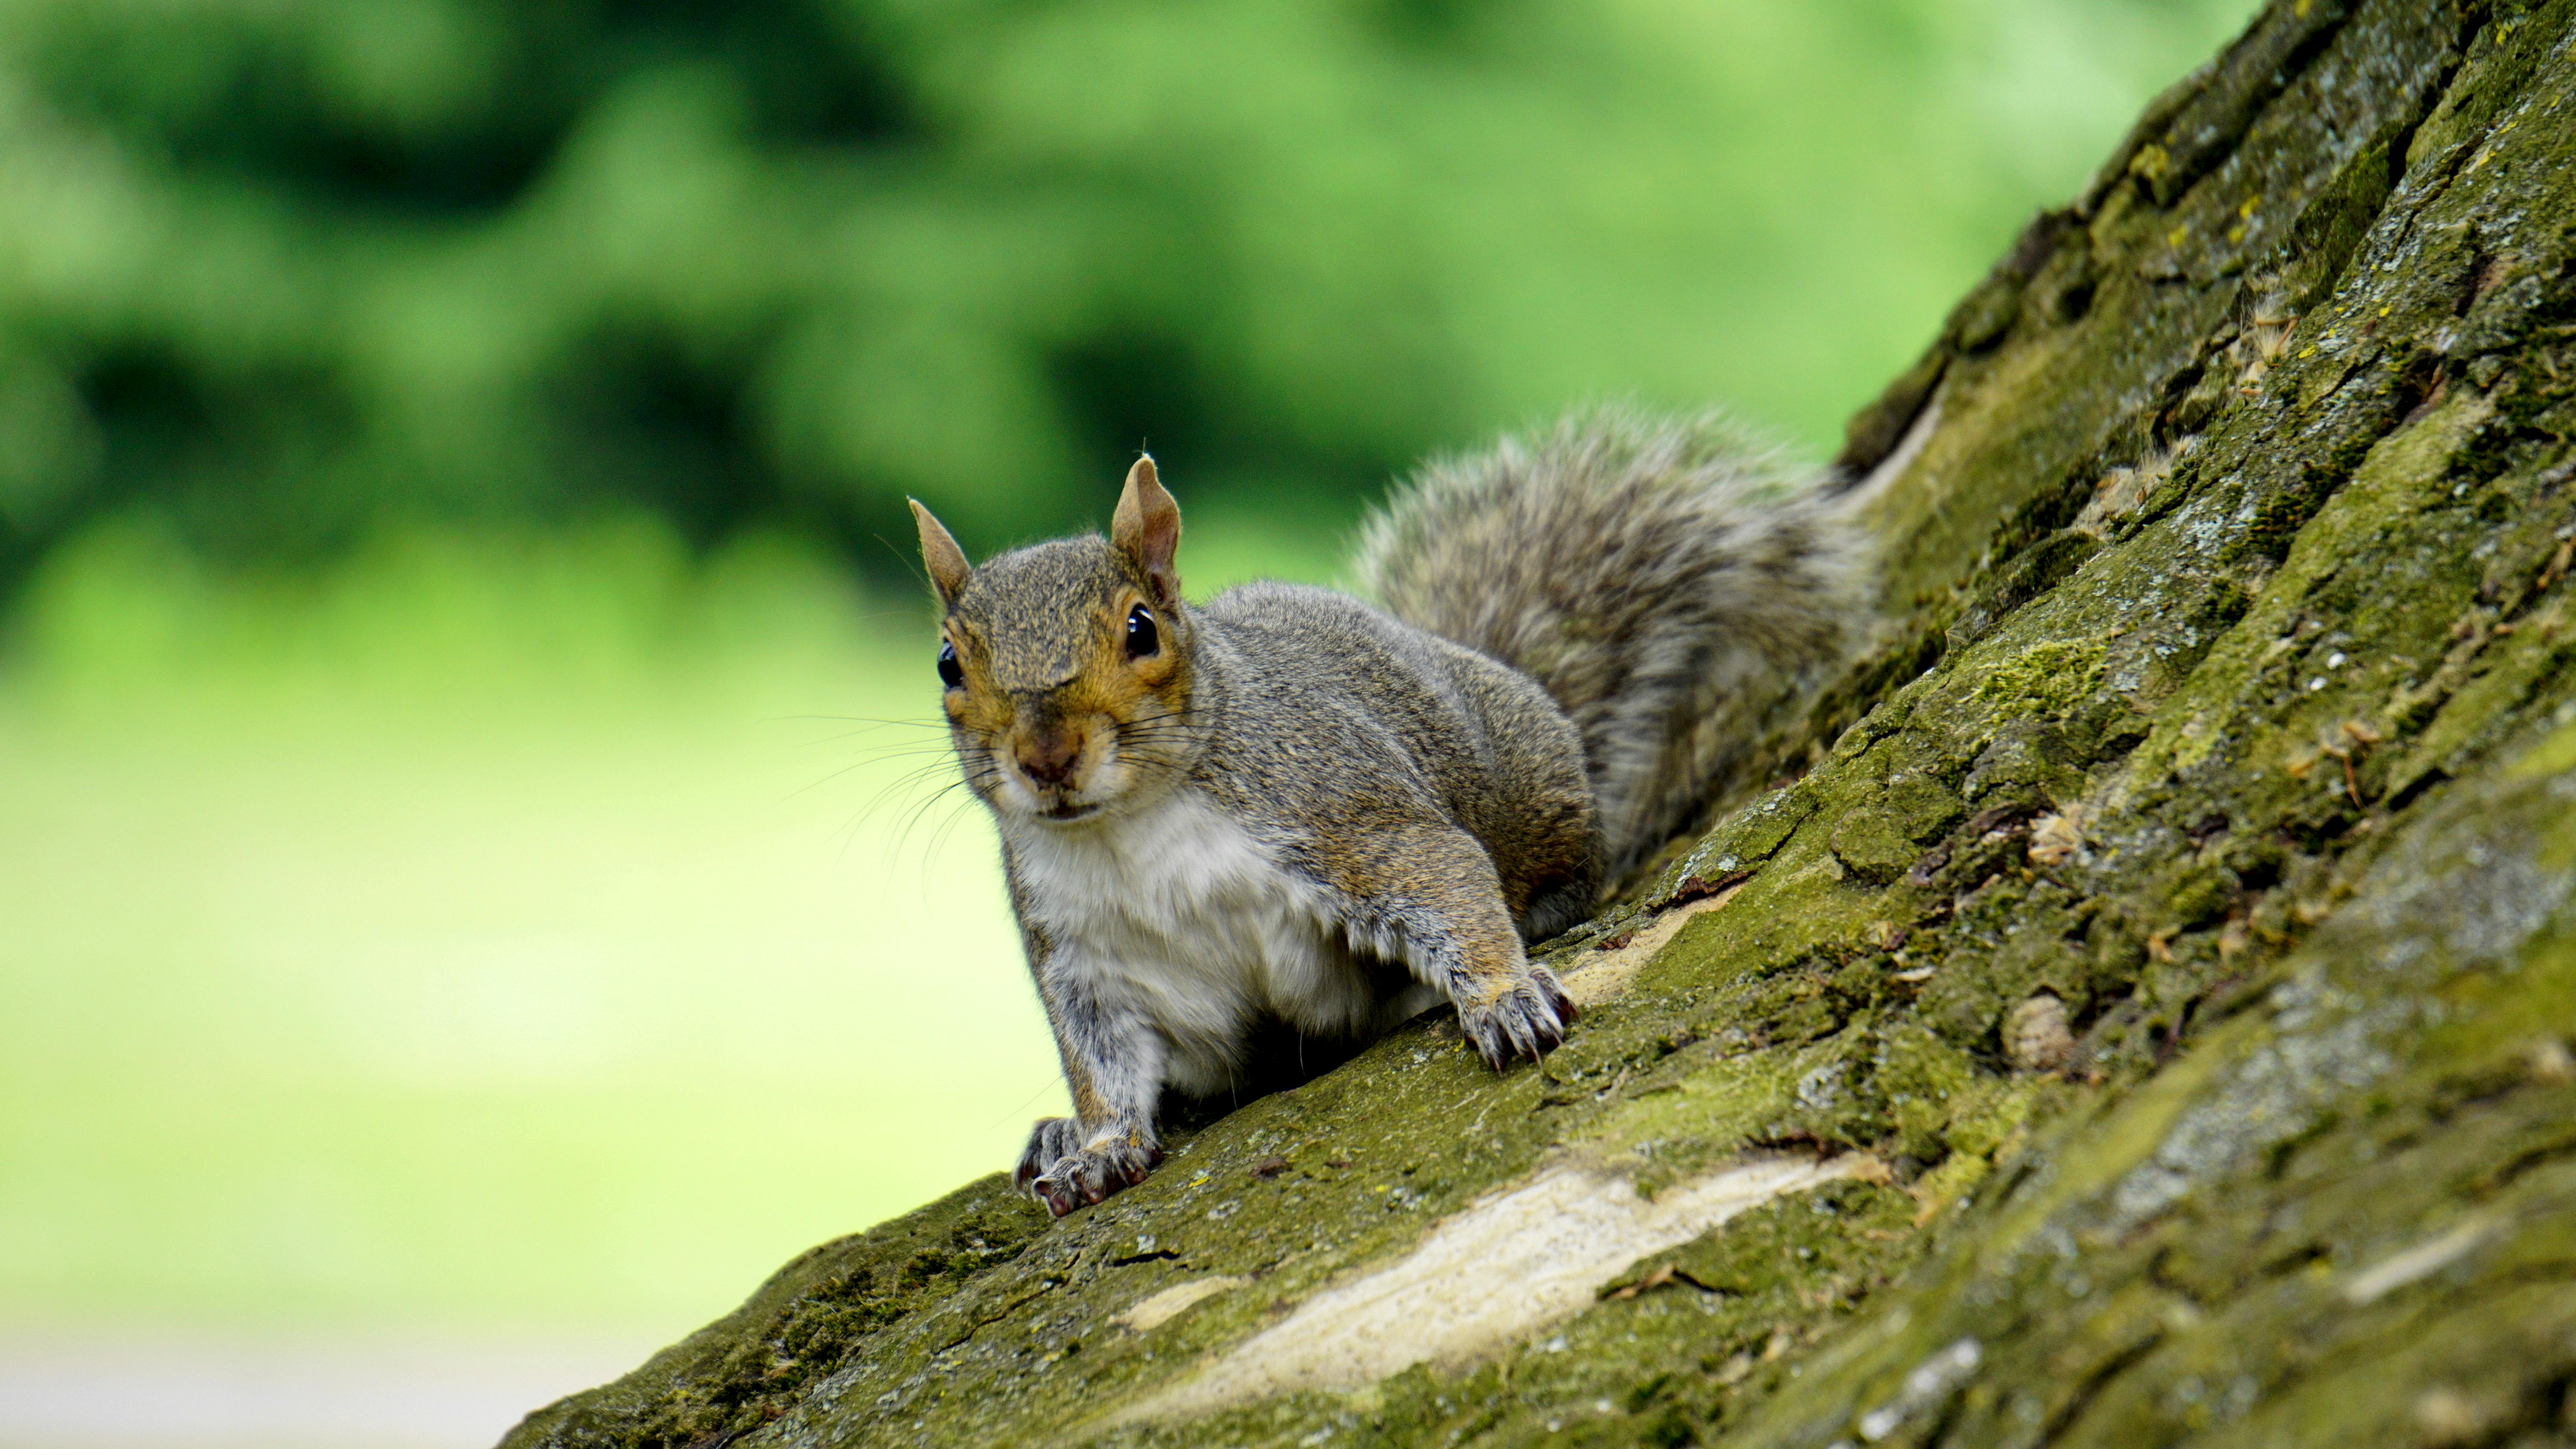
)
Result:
{"points": [[1286, 805]]}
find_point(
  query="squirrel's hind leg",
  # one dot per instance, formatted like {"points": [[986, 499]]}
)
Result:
{"points": [[1432, 895]]}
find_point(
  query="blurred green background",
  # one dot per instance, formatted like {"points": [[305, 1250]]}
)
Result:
{"points": [[451, 545]]}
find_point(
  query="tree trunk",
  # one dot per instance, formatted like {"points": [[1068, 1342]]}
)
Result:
{"points": [[2146, 1019]]}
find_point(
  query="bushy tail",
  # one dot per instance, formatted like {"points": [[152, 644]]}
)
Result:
{"points": [[1668, 582]]}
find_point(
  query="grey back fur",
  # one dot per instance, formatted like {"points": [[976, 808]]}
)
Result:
{"points": [[1665, 581]]}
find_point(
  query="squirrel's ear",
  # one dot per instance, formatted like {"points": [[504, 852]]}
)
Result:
{"points": [[1147, 526], [941, 555]]}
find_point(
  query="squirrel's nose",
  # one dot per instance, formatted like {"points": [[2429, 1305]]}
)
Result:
{"points": [[1049, 758]]}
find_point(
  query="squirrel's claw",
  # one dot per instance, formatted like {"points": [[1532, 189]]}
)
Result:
{"points": [[1065, 1173], [1529, 1020], [1050, 1140]]}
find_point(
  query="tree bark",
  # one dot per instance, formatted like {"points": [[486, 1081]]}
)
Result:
{"points": [[2145, 1019]]}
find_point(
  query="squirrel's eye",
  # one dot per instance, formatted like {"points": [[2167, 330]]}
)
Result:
{"points": [[951, 673], [1142, 637]]}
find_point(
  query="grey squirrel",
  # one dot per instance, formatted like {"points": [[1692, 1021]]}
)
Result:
{"points": [[1286, 805]]}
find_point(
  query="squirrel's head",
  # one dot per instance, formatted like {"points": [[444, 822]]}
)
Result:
{"points": [[1065, 666]]}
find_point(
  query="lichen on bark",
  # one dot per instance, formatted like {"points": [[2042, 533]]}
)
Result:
{"points": [[2226, 705]]}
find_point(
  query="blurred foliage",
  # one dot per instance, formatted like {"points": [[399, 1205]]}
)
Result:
{"points": [[280, 274]]}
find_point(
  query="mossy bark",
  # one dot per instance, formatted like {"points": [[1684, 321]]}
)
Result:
{"points": [[2228, 715]]}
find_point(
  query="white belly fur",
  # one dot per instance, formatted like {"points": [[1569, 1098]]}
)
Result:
{"points": [[1178, 913]]}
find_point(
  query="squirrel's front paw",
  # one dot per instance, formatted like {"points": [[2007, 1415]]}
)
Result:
{"points": [[1527, 1020], [1065, 1169]]}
